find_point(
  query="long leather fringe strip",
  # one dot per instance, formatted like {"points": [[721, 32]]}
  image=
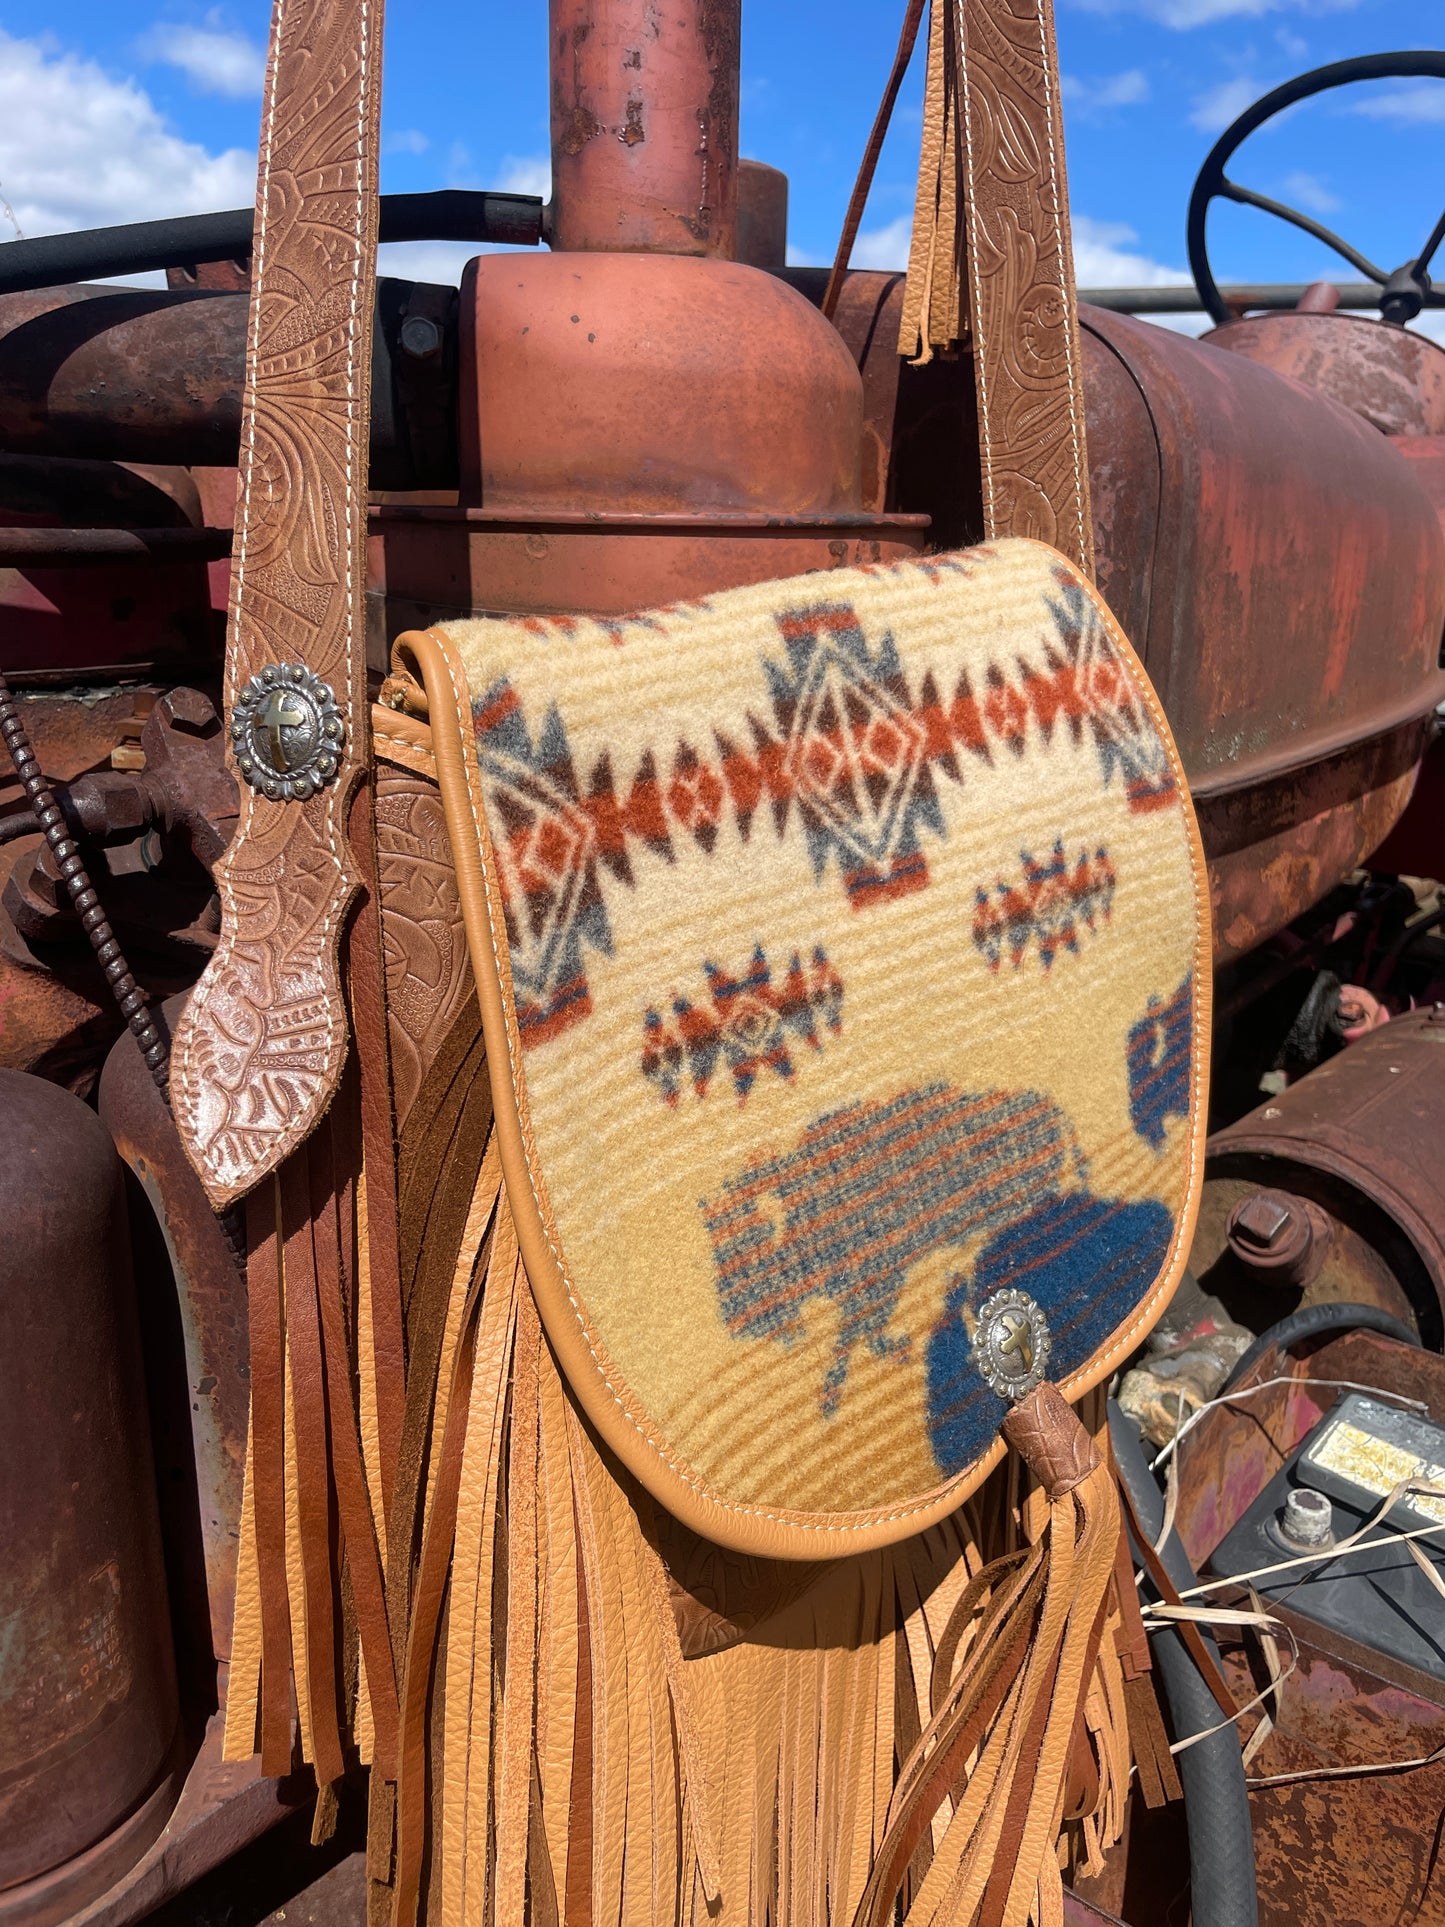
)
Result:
{"points": [[934, 314], [480, 1363], [366, 980], [358, 1517], [312, 1509], [243, 1672], [268, 1455], [591, 1775]]}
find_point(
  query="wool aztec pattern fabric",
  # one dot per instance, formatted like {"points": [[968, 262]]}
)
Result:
{"points": [[855, 928]]}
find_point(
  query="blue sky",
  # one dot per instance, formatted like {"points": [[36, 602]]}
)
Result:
{"points": [[114, 112]]}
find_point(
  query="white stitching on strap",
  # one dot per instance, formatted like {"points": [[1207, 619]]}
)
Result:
{"points": [[1076, 406]]}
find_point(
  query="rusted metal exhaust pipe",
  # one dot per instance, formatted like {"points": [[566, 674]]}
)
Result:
{"points": [[645, 126], [142, 375], [122, 372]]}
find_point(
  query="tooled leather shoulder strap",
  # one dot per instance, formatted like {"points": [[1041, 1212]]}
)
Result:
{"points": [[1021, 278], [991, 262], [263, 1040]]}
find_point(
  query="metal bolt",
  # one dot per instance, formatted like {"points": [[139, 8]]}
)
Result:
{"points": [[420, 337], [1262, 1220], [1307, 1519], [1280, 1238]]}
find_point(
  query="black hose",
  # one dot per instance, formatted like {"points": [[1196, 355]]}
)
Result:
{"points": [[93, 920], [451, 214], [1222, 1886], [1310, 1320]]}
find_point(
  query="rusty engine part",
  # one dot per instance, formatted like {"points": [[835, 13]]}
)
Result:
{"points": [[1388, 376], [194, 1305], [1279, 1239], [1335, 1187], [150, 833], [69, 866], [87, 1689]]}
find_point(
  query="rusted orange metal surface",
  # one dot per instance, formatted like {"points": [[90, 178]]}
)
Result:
{"points": [[1392, 378], [1362, 1137], [1272, 516], [645, 126]]}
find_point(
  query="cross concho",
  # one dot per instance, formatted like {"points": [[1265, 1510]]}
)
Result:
{"points": [[287, 732], [1011, 1344]]}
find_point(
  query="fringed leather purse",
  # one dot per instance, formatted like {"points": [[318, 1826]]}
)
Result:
{"points": [[662, 1464], [842, 954]]}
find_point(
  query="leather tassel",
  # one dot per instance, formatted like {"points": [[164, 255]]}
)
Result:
{"points": [[934, 303], [1012, 1678]]}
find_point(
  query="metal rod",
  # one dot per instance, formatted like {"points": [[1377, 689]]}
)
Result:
{"points": [[1355, 295], [72, 548], [450, 215]]}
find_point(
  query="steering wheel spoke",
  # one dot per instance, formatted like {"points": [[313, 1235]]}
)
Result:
{"points": [[1246, 197], [1213, 183]]}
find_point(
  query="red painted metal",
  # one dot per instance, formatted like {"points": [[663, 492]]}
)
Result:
{"points": [[1392, 377], [645, 126], [636, 430], [1270, 513]]}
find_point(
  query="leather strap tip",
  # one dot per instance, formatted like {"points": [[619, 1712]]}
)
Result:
{"points": [[1044, 1430]]}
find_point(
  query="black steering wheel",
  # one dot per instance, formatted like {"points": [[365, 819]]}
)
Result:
{"points": [[1403, 293]]}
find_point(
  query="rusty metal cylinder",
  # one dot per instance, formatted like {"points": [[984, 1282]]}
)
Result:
{"points": [[87, 1678], [762, 215], [130, 372], [645, 126]]}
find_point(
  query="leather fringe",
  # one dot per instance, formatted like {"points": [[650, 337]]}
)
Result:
{"points": [[923, 1725], [935, 310], [312, 1524]]}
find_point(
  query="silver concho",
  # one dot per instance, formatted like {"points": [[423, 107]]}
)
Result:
{"points": [[1011, 1344], [287, 732]]}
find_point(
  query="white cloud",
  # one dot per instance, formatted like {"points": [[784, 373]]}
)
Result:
{"points": [[439, 261], [884, 247], [1413, 103], [1311, 192], [1103, 254], [80, 149], [213, 60], [526, 174], [1184, 14], [408, 140], [1217, 107], [1104, 258], [1108, 91]]}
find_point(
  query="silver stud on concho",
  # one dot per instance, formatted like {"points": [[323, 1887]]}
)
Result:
{"points": [[1011, 1344], [287, 732]]}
